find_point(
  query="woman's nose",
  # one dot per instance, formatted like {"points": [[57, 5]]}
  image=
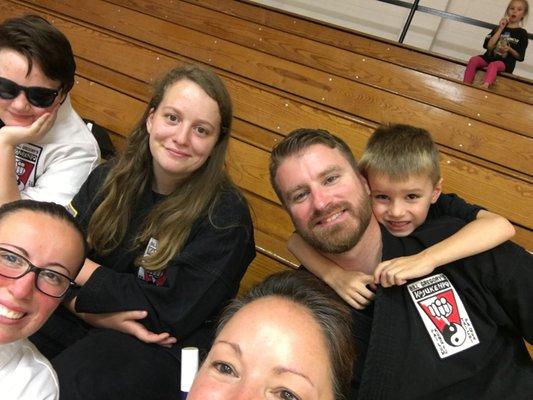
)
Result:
{"points": [[23, 287]]}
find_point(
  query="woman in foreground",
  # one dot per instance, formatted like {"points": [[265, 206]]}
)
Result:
{"points": [[289, 338]]}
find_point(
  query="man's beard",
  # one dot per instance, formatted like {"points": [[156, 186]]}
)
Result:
{"points": [[340, 237]]}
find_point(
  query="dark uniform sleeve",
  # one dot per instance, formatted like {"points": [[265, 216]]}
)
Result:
{"points": [[511, 279], [199, 280], [487, 38], [451, 205], [85, 202], [521, 46]]}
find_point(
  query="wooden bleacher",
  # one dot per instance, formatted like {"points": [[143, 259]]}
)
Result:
{"points": [[286, 72], [381, 49]]}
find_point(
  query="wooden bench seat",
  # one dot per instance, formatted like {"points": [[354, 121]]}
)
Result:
{"points": [[272, 113], [398, 54], [301, 73], [459, 132]]}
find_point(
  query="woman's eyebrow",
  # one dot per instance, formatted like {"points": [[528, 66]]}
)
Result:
{"points": [[177, 111], [21, 249], [236, 348], [25, 254], [282, 370]]}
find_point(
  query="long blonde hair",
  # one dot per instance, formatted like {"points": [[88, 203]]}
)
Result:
{"points": [[170, 220]]}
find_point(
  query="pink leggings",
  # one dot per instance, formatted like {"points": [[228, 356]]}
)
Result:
{"points": [[477, 62]]}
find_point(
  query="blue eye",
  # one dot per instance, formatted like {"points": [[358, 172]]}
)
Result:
{"points": [[12, 260], [52, 277]]}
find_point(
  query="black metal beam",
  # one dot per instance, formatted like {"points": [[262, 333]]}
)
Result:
{"points": [[408, 22]]}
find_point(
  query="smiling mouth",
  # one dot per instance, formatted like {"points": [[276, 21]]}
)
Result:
{"points": [[10, 314], [20, 116], [398, 224], [178, 153], [331, 218]]}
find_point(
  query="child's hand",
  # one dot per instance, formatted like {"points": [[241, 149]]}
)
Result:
{"points": [[351, 286], [503, 22], [398, 270], [14, 135], [504, 49]]}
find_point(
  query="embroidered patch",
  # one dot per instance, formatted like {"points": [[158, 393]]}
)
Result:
{"points": [[443, 314], [26, 160], [158, 277]]}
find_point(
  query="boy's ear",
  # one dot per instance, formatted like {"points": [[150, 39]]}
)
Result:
{"points": [[364, 182], [63, 96], [437, 190]]}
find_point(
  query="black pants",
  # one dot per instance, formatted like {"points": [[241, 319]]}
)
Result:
{"points": [[105, 364]]}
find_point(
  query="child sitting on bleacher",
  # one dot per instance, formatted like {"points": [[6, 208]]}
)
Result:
{"points": [[401, 165], [505, 45]]}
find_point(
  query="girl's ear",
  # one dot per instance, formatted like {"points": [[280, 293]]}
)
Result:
{"points": [[149, 120], [437, 190]]}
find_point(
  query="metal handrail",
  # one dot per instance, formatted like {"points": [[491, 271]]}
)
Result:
{"points": [[444, 14]]}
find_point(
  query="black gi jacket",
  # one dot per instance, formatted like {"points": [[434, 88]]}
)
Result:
{"points": [[198, 282], [401, 362]]}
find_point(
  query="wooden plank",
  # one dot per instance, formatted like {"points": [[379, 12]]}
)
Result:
{"points": [[298, 114], [107, 107], [458, 132], [261, 267], [274, 248], [273, 220], [358, 42], [248, 164], [117, 112], [451, 96]]}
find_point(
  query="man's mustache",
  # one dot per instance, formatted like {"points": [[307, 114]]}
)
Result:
{"points": [[331, 209]]}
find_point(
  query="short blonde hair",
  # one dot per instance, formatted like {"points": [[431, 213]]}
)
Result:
{"points": [[400, 151]]}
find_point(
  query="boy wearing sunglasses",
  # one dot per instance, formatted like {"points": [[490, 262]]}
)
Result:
{"points": [[37, 268], [46, 150]]}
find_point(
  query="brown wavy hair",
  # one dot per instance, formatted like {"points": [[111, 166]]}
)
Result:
{"points": [[170, 221]]}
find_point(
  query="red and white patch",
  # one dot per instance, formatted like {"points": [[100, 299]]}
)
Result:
{"points": [[158, 277], [26, 159], [443, 314]]}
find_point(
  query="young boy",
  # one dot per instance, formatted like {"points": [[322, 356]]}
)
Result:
{"points": [[401, 165], [46, 150]]}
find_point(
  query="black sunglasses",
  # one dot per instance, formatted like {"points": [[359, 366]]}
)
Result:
{"points": [[37, 96]]}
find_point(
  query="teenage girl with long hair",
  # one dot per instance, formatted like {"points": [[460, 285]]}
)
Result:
{"points": [[505, 45], [170, 238]]}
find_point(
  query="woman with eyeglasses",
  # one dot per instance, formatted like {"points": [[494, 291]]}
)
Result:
{"points": [[42, 139], [41, 251], [170, 237]]}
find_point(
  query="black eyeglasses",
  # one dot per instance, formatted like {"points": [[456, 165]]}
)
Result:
{"points": [[50, 282], [37, 96]]}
